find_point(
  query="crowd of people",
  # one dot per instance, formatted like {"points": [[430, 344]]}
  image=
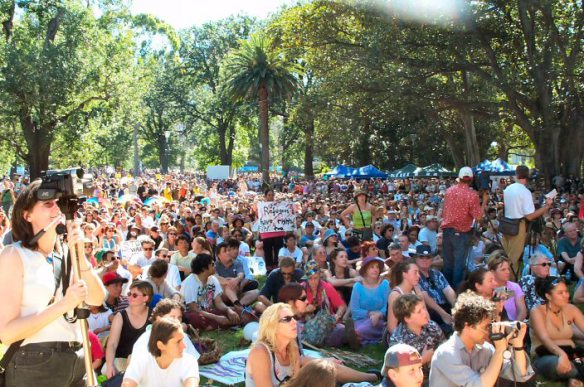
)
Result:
{"points": [[465, 284]]}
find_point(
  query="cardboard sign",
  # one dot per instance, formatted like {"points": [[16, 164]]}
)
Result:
{"points": [[131, 249], [276, 216]]}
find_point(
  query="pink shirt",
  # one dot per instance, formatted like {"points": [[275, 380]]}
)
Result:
{"points": [[461, 207]]}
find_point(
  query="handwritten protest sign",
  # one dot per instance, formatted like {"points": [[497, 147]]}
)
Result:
{"points": [[276, 216], [131, 249]]}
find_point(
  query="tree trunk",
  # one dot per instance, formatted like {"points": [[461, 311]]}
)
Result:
{"points": [[456, 154], [163, 152], [547, 153], [38, 143], [136, 152], [223, 154], [309, 149], [264, 134], [470, 134], [572, 147]]}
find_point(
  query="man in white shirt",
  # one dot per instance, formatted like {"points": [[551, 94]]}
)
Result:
{"points": [[202, 293], [291, 249], [519, 205], [173, 275]]}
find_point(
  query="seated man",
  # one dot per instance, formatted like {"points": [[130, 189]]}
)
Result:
{"points": [[237, 290], [202, 293], [402, 367], [468, 359], [285, 274]]}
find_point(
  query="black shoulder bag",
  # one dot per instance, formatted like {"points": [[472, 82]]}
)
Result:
{"points": [[11, 351], [366, 232]]}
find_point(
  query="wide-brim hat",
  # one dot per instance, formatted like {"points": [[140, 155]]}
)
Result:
{"points": [[360, 192], [368, 261]]}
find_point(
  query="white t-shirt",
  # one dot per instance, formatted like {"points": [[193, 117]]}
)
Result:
{"points": [[518, 201], [141, 345], [172, 276], [297, 254], [192, 290], [244, 249], [145, 371], [99, 320]]}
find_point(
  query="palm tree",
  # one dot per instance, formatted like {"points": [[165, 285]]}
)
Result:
{"points": [[258, 70]]}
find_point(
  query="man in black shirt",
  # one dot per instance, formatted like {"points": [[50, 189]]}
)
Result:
{"points": [[285, 274]]}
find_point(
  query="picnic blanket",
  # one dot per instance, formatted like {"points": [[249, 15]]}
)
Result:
{"points": [[231, 367]]}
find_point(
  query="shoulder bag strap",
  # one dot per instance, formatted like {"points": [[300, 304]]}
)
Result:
{"points": [[360, 213]]}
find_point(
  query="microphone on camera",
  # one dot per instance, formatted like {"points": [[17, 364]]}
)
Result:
{"points": [[61, 229]]}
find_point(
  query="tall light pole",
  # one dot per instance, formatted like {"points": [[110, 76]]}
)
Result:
{"points": [[167, 150]]}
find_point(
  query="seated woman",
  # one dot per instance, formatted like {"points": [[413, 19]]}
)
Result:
{"points": [[369, 301], [166, 363], [275, 357], [406, 276], [552, 334], [127, 326], [482, 282], [415, 328], [341, 275], [500, 266], [323, 298], [294, 295]]}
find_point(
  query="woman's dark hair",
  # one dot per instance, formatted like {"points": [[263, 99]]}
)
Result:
{"points": [[201, 263], [404, 306], [474, 278], [162, 330], [182, 237], [158, 269], [164, 307], [290, 292], [397, 272], [333, 259], [145, 287], [385, 228], [545, 285], [21, 228]]}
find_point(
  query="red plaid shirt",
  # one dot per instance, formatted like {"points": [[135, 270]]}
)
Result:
{"points": [[461, 206]]}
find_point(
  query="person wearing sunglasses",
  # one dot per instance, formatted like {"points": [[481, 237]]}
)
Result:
{"points": [[285, 274], [294, 295], [127, 327], [540, 267], [275, 356], [137, 262]]}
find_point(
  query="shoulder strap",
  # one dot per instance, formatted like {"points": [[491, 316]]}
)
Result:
{"points": [[361, 213]]}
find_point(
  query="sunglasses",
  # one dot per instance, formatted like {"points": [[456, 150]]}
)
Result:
{"points": [[89, 246], [303, 298], [172, 233], [544, 264], [148, 249], [287, 274], [135, 295], [164, 255], [287, 319]]}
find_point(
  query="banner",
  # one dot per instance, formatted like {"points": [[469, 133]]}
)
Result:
{"points": [[276, 216], [131, 249]]}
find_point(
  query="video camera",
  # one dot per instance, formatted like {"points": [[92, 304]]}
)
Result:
{"points": [[70, 186], [510, 326]]}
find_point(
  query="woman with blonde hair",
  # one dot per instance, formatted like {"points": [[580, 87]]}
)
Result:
{"points": [[276, 347]]}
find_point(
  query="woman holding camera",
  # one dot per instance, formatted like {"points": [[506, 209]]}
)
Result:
{"points": [[552, 334], [514, 307], [33, 303]]}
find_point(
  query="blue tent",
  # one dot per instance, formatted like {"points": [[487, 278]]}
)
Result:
{"points": [[406, 171], [340, 171], [368, 172], [496, 167]]}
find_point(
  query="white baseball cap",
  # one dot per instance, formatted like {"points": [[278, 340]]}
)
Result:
{"points": [[465, 173]]}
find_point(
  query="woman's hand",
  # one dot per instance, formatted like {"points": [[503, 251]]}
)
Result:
{"points": [[375, 318], [76, 293], [111, 371], [310, 308], [564, 364]]}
